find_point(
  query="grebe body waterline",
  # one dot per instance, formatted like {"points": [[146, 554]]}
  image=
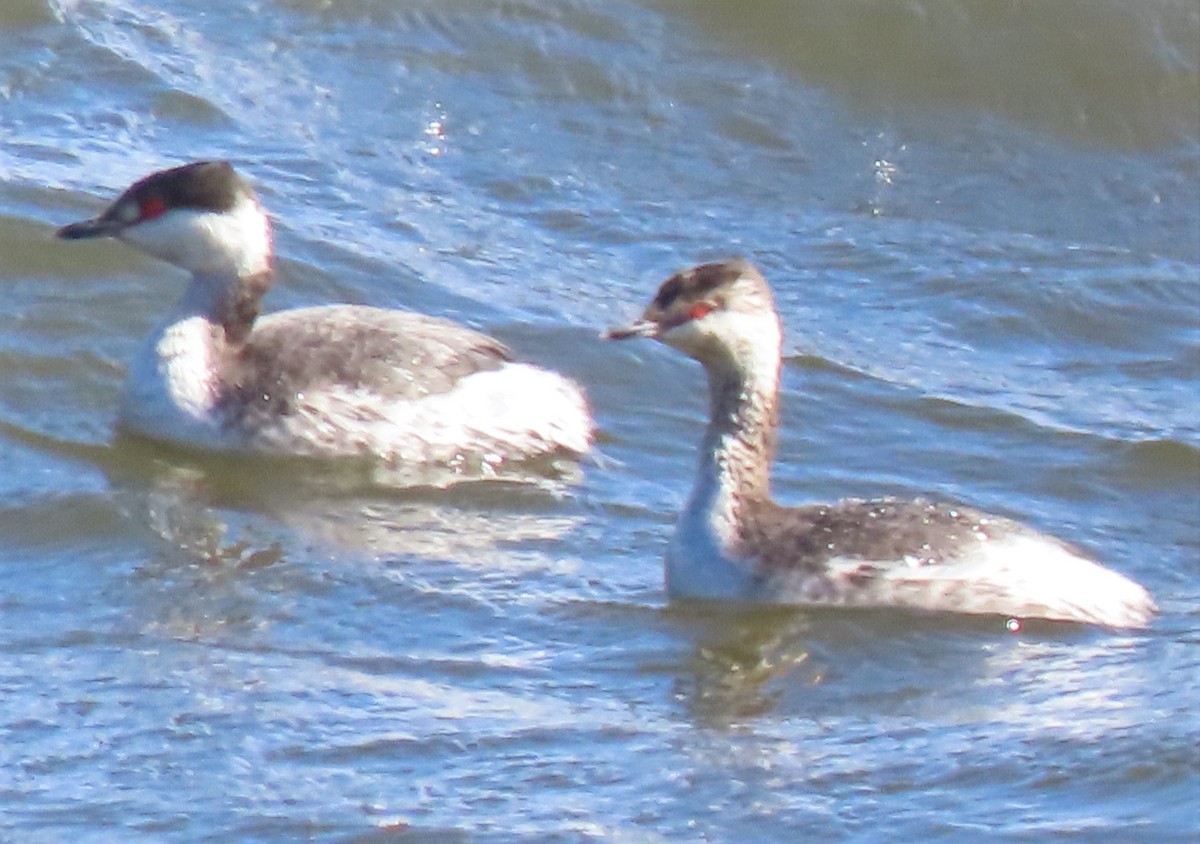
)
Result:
{"points": [[332, 381], [733, 541]]}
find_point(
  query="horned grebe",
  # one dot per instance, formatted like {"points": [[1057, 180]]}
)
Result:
{"points": [[332, 381], [732, 541]]}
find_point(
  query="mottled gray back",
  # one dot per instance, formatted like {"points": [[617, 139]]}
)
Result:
{"points": [[881, 531], [394, 354]]}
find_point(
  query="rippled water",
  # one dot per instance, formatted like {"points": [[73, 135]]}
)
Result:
{"points": [[982, 220]]}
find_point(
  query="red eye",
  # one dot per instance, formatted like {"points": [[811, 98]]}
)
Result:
{"points": [[700, 310], [151, 208]]}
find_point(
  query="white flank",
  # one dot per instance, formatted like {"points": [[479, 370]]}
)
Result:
{"points": [[1025, 575], [517, 412]]}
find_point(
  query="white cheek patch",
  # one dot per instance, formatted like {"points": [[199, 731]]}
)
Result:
{"points": [[128, 212], [236, 242], [751, 340], [688, 337]]}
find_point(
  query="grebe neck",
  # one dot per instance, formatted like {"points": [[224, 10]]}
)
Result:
{"points": [[739, 442], [226, 299]]}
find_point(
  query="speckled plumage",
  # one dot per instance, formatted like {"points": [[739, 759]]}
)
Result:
{"points": [[395, 355], [733, 541], [919, 532], [333, 381]]}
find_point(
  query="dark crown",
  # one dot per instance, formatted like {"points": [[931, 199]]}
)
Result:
{"points": [[698, 282], [202, 185]]}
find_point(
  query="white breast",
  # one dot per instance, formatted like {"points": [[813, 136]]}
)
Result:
{"points": [[699, 561], [171, 390]]}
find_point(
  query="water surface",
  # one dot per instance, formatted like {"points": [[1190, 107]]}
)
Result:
{"points": [[982, 222]]}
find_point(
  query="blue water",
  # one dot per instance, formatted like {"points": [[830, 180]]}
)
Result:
{"points": [[982, 223]]}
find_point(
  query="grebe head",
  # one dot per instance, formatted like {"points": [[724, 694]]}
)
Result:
{"points": [[202, 217], [722, 314]]}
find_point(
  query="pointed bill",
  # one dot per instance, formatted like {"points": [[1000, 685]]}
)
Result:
{"points": [[95, 227], [637, 328]]}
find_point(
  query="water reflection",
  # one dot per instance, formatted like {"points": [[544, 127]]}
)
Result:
{"points": [[742, 660], [200, 505], [223, 548], [751, 663]]}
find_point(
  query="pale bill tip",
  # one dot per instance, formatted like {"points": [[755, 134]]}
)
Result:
{"points": [[639, 328]]}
